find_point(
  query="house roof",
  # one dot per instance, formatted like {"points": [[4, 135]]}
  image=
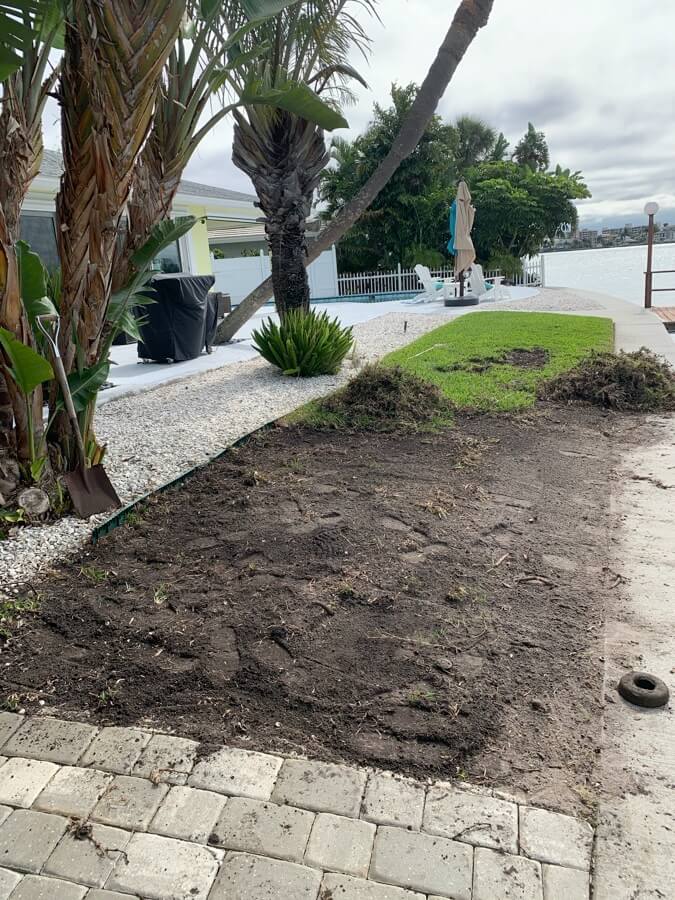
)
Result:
{"points": [[52, 167]]}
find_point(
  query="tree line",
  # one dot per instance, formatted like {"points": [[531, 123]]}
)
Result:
{"points": [[519, 200]]}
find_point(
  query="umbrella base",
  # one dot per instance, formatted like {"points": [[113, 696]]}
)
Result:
{"points": [[466, 300]]}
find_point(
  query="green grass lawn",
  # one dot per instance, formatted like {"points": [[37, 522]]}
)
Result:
{"points": [[447, 355], [464, 358]]}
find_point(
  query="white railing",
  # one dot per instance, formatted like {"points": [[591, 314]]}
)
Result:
{"points": [[400, 281]]}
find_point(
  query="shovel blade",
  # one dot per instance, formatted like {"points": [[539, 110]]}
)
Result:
{"points": [[91, 491]]}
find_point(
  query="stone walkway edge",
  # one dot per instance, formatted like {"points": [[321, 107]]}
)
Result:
{"points": [[118, 813]]}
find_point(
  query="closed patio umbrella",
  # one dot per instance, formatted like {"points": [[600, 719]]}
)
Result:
{"points": [[462, 215]]}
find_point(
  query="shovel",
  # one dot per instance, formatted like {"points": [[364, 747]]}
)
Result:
{"points": [[89, 486]]}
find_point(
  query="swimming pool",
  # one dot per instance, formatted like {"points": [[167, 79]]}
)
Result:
{"points": [[362, 298]]}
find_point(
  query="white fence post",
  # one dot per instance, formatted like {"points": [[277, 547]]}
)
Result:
{"points": [[542, 269]]}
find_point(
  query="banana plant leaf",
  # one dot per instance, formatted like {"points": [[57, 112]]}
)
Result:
{"points": [[130, 323], [138, 292], [262, 9], [85, 385], [20, 26], [162, 235], [26, 366], [34, 281]]}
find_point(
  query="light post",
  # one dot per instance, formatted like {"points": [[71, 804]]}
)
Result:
{"points": [[651, 210]]}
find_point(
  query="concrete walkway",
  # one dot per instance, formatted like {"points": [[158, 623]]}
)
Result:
{"points": [[635, 852], [121, 813], [634, 326]]}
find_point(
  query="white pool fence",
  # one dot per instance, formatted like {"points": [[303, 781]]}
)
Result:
{"points": [[400, 280]]}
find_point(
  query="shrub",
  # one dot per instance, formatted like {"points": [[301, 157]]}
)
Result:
{"points": [[304, 344], [633, 382], [510, 266], [386, 397]]}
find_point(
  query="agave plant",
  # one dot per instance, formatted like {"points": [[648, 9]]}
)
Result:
{"points": [[304, 344]]}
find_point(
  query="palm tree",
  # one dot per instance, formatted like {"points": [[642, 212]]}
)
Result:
{"points": [[470, 17], [500, 148], [187, 86], [23, 94], [113, 60], [283, 153], [532, 150], [474, 142]]}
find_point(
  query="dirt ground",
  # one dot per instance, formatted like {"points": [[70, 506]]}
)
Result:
{"points": [[427, 603]]}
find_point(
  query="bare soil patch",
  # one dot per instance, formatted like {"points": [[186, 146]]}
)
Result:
{"points": [[428, 603], [533, 358]]}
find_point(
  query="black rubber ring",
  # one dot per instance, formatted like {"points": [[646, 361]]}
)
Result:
{"points": [[644, 689]]}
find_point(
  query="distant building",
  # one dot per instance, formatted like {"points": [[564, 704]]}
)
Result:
{"points": [[587, 236], [636, 231], [611, 236], [666, 235]]}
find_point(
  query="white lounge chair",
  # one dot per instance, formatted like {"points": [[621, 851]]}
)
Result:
{"points": [[487, 288], [434, 292]]}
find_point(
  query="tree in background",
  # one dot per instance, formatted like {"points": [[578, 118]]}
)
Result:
{"points": [[408, 222], [474, 142], [404, 214], [500, 148], [532, 150], [283, 153], [517, 208]]}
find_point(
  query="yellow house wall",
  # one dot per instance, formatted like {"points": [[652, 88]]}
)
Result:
{"points": [[201, 257]]}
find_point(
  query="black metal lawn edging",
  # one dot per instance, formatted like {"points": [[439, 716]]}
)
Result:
{"points": [[120, 517]]}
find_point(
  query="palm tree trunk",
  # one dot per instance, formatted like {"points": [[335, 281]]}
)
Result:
{"points": [[112, 64], [289, 275], [284, 157], [471, 16], [14, 444]]}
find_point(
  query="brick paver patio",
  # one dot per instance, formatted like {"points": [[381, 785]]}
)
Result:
{"points": [[120, 813]]}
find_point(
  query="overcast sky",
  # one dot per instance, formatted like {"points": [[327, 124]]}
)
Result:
{"points": [[598, 76]]}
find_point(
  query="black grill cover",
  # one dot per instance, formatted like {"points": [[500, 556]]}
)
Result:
{"points": [[181, 323]]}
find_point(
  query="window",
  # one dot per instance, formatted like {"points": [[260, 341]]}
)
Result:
{"points": [[39, 230], [168, 260]]}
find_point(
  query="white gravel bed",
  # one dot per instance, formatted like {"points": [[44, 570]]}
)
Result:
{"points": [[153, 437]]}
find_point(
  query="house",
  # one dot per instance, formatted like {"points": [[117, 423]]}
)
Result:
{"points": [[225, 212], [230, 243]]}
